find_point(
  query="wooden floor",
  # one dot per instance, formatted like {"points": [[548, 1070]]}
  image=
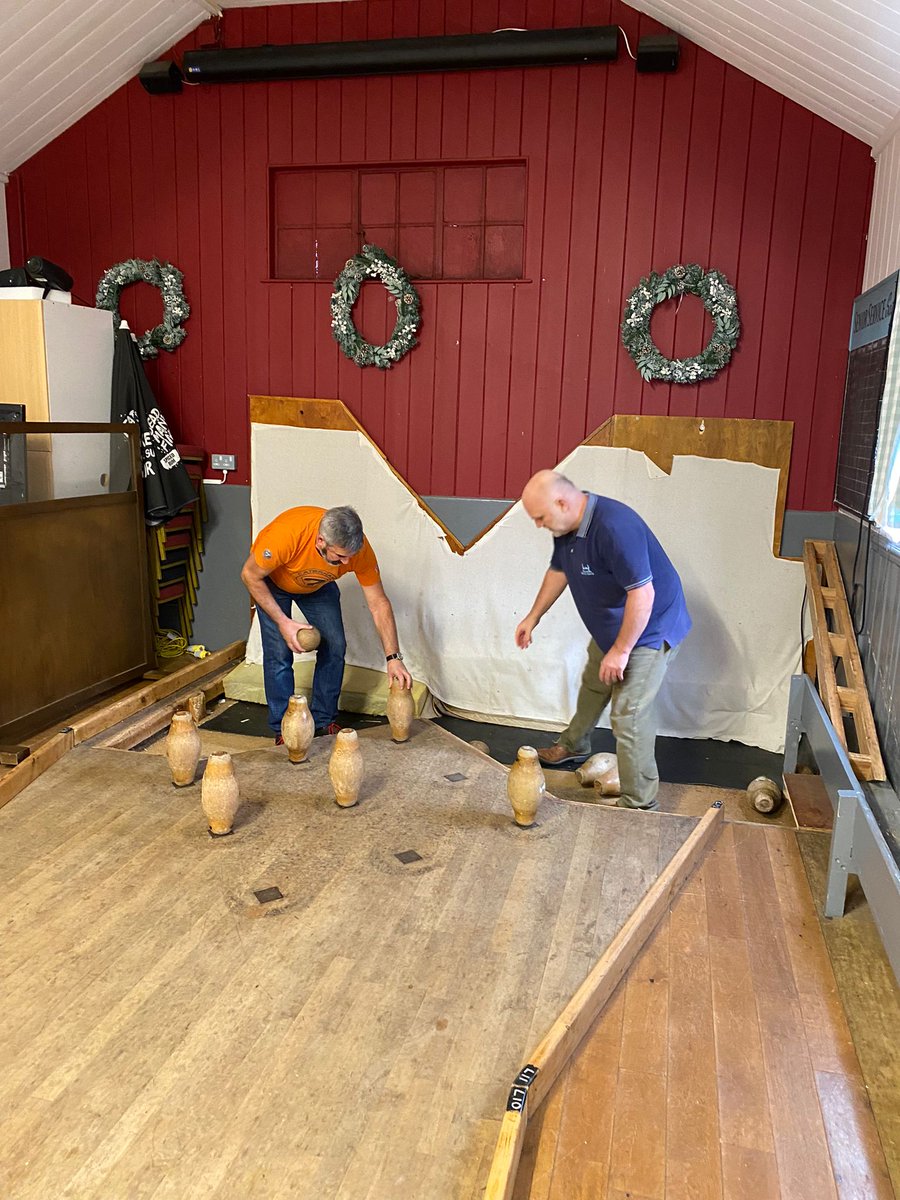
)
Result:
{"points": [[163, 1034], [723, 1066]]}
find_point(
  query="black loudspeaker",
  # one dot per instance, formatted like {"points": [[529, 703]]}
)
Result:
{"points": [[160, 77], [15, 277], [48, 274], [397, 56], [658, 52]]}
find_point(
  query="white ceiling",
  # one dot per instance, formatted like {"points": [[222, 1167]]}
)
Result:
{"points": [[839, 58]]}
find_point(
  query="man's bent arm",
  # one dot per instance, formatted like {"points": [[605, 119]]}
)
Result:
{"points": [[254, 580], [638, 607]]}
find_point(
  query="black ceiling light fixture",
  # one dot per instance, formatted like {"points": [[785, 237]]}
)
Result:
{"points": [[389, 56], [397, 56]]}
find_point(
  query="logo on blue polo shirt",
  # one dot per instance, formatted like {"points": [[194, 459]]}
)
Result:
{"points": [[585, 569]]}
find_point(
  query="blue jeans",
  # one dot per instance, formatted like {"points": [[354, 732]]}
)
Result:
{"points": [[322, 609]]}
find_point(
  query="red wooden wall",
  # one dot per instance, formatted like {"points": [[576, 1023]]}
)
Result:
{"points": [[626, 173]]}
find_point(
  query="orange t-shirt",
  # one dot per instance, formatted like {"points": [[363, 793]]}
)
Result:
{"points": [[286, 549]]}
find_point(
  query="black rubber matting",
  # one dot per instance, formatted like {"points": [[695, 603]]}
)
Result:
{"points": [[252, 720], [700, 761]]}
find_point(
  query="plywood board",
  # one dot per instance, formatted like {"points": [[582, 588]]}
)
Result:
{"points": [[168, 1033], [661, 438]]}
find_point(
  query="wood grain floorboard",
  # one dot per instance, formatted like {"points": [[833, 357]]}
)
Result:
{"points": [[167, 1036], [733, 1073], [869, 995]]}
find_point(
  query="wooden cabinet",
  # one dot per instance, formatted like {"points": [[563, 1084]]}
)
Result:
{"points": [[56, 359], [74, 598]]}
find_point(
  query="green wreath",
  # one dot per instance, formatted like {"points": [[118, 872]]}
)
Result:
{"points": [[373, 262], [718, 298], [168, 335]]}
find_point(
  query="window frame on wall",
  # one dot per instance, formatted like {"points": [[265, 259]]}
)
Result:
{"points": [[477, 211]]}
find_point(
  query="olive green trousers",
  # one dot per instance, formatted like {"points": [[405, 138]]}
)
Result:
{"points": [[632, 717]]}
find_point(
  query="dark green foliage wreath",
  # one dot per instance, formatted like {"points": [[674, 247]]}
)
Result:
{"points": [[374, 263], [720, 301], [168, 335]]}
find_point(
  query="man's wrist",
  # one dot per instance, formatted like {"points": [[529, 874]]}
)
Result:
{"points": [[396, 656]]}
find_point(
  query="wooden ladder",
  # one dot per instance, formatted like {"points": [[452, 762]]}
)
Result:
{"points": [[839, 673]]}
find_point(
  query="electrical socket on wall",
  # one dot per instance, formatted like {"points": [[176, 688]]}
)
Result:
{"points": [[222, 462]]}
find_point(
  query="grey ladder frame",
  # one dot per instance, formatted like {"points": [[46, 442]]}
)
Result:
{"points": [[858, 846]]}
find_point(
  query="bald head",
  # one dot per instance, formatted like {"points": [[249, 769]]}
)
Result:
{"points": [[553, 502]]}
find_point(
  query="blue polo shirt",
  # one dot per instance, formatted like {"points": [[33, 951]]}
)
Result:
{"points": [[612, 552]]}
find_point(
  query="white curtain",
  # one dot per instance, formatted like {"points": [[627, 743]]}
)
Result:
{"points": [[884, 504]]}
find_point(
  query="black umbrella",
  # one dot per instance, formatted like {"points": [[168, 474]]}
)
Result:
{"points": [[167, 485]]}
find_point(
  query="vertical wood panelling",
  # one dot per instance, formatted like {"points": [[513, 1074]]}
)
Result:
{"points": [[845, 262], [883, 255], [784, 253], [731, 183], [625, 173]]}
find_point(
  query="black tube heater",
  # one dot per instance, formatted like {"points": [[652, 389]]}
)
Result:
{"points": [[393, 56]]}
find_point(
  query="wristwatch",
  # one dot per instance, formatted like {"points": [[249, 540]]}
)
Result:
{"points": [[391, 657]]}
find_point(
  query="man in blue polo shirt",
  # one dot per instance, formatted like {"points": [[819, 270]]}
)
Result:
{"points": [[630, 598]]}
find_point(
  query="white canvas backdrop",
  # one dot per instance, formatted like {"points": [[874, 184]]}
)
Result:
{"points": [[456, 614]]}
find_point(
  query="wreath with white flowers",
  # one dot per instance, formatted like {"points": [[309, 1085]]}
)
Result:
{"points": [[373, 262], [169, 334], [719, 299]]}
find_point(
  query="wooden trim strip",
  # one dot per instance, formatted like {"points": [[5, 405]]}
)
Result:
{"points": [[97, 720], [501, 1184], [128, 734], [36, 764], [570, 1027]]}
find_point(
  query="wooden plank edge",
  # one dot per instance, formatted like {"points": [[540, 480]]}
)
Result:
{"points": [[18, 778], [505, 1163], [570, 1027], [98, 720], [131, 732], [566, 1033]]}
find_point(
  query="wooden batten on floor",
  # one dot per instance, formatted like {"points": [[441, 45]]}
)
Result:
{"points": [[128, 734], [144, 699], [544, 1065], [103, 717], [36, 764]]}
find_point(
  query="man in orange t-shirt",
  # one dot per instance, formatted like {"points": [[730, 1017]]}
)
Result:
{"points": [[297, 559]]}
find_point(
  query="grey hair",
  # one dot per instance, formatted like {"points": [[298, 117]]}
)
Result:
{"points": [[342, 527]]}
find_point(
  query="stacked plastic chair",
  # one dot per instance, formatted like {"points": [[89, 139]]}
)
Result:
{"points": [[176, 557]]}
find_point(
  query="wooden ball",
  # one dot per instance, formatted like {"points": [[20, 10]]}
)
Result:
{"points": [[308, 639], [765, 795]]}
